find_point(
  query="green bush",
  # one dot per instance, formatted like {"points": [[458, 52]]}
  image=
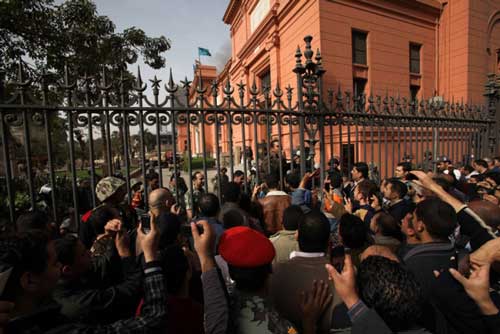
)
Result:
{"points": [[197, 163]]}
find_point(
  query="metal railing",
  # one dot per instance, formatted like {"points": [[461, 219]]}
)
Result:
{"points": [[92, 114]]}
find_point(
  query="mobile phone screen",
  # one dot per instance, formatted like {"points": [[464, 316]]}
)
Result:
{"points": [[145, 223]]}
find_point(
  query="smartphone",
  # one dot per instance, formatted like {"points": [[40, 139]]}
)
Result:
{"points": [[460, 261], [145, 223], [410, 177], [199, 227], [337, 257], [186, 229], [327, 186]]}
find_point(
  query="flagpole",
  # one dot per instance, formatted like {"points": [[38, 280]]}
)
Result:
{"points": [[199, 68]]}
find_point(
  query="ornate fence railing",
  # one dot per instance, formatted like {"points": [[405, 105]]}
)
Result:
{"points": [[74, 129]]}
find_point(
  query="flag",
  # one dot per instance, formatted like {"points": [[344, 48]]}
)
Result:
{"points": [[203, 52]]}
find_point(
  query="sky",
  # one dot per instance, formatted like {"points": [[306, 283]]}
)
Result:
{"points": [[189, 24]]}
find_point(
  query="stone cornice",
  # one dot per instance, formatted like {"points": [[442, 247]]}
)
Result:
{"points": [[265, 28], [231, 11], [429, 8], [258, 36]]}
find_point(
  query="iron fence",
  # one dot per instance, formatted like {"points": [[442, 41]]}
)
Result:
{"points": [[87, 115]]}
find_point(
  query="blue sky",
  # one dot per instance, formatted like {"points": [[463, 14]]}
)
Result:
{"points": [[189, 24]]}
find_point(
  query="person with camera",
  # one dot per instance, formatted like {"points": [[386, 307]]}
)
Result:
{"points": [[36, 271], [84, 300], [433, 222]]}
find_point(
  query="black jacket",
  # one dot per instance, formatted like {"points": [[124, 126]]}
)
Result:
{"points": [[151, 320], [474, 227], [400, 209], [450, 309], [83, 301]]}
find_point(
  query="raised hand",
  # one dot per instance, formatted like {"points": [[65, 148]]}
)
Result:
{"points": [[345, 281], [149, 242], [122, 243], [327, 195], [204, 244], [305, 180], [256, 191], [428, 183], [312, 305], [425, 180], [113, 226], [477, 287], [348, 205], [375, 203], [491, 198], [488, 253]]}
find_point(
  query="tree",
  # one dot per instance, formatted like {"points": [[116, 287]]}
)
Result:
{"points": [[49, 37], [72, 34], [149, 141]]}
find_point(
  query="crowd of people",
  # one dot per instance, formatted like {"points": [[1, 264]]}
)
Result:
{"points": [[414, 253]]}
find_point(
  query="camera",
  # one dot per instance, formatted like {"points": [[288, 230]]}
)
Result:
{"points": [[186, 229], [411, 177]]}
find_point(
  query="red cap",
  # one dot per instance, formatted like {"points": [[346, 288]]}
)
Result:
{"points": [[244, 247]]}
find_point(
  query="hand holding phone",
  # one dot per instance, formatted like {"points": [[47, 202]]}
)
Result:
{"points": [[146, 223], [176, 209], [198, 225], [327, 186]]}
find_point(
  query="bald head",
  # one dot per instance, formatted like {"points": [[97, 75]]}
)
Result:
{"points": [[379, 251], [160, 199], [488, 212]]}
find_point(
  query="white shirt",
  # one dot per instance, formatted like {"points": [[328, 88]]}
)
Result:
{"points": [[276, 193], [475, 172], [304, 254], [456, 172]]}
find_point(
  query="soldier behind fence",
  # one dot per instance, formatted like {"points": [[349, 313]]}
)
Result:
{"points": [[224, 180], [271, 162], [192, 208]]}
